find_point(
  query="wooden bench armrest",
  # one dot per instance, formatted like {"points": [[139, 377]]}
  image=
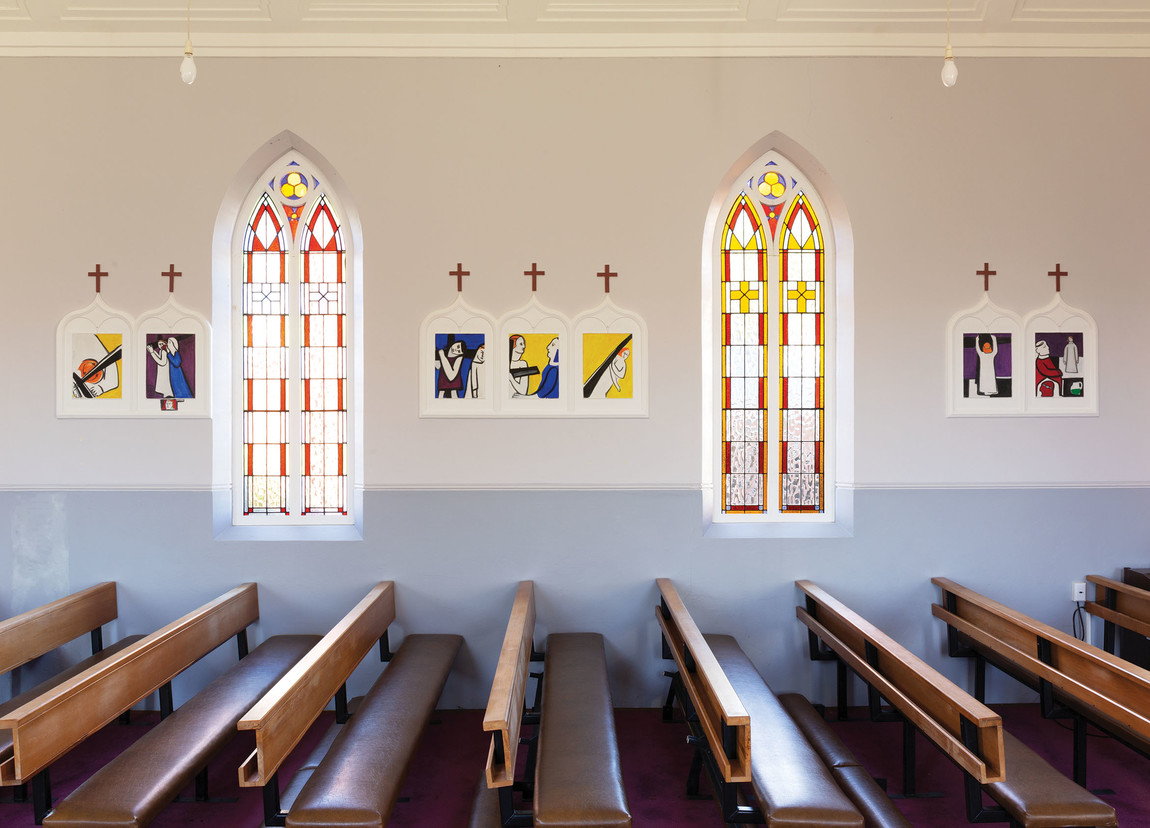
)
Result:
{"points": [[37, 631], [1083, 672], [505, 705], [1131, 608], [282, 717], [711, 693], [47, 727], [926, 698]]}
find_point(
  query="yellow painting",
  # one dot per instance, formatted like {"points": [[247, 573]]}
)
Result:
{"points": [[533, 365], [96, 366], [607, 365]]}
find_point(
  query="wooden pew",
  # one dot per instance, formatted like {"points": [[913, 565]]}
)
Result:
{"points": [[1072, 677], [1029, 791], [574, 757], [364, 763], [1119, 605], [40, 631], [48, 726], [740, 730]]}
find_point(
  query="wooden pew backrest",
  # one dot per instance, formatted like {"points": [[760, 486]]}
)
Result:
{"points": [[50, 725], [723, 717], [926, 698], [504, 715], [1090, 676], [1122, 604], [38, 631], [282, 717]]}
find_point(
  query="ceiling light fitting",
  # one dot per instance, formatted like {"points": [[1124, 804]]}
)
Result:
{"points": [[188, 64], [949, 67]]}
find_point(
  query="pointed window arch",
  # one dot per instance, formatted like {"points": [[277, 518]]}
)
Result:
{"points": [[777, 395], [291, 279]]}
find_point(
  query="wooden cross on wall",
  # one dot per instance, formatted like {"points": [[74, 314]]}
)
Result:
{"points": [[533, 273], [172, 275], [607, 275], [1057, 273], [97, 275], [459, 273], [986, 273]]}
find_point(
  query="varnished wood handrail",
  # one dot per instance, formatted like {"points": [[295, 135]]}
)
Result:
{"points": [[47, 727], [38, 631], [284, 714], [926, 698], [711, 693], [1131, 608], [504, 714], [1086, 674]]}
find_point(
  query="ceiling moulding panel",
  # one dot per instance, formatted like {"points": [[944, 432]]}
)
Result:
{"points": [[1065, 11], [1134, 42], [895, 12], [335, 11], [14, 10], [230, 11], [665, 11]]}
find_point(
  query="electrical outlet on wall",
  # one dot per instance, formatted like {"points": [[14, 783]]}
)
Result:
{"points": [[1078, 591]]}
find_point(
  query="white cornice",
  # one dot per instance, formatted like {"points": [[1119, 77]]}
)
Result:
{"points": [[567, 45]]}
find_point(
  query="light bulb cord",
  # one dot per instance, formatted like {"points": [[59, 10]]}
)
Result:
{"points": [[188, 43]]}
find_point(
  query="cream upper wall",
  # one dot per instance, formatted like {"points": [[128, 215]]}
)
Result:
{"points": [[574, 164]]}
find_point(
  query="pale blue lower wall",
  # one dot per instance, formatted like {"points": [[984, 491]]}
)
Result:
{"points": [[456, 557]]}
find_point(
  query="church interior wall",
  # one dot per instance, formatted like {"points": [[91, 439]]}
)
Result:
{"points": [[575, 163]]}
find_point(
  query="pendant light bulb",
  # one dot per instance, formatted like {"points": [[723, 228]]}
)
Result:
{"points": [[949, 69], [188, 65]]}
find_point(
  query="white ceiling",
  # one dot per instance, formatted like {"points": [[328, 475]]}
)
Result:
{"points": [[576, 27]]}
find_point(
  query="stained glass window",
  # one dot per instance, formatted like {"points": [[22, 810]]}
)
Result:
{"points": [[771, 366], [294, 329]]}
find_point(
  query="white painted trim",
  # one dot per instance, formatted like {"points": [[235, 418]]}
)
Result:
{"points": [[573, 45], [430, 488]]}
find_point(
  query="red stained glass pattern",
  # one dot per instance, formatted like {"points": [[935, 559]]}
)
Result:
{"points": [[264, 352], [323, 364], [802, 376]]}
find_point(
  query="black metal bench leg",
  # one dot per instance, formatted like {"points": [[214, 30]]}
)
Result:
{"points": [[1080, 749], [202, 785], [669, 704], [909, 760], [41, 796], [694, 772], [273, 816]]}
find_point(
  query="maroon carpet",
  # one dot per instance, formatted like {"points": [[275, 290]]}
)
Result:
{"points": [[655, 759]]}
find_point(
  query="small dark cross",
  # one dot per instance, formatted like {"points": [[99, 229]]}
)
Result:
{"points": [[607, 276], [986, 273], [1057, 273], [459, 273], [98, 276], [172, 275], [533, 272]]}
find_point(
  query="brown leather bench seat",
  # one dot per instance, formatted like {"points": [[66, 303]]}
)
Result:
{"points": [[854, 780], [54, 681], [1038, 796], [790, 781], [578, 778], [358, 781], [135, 786]]}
